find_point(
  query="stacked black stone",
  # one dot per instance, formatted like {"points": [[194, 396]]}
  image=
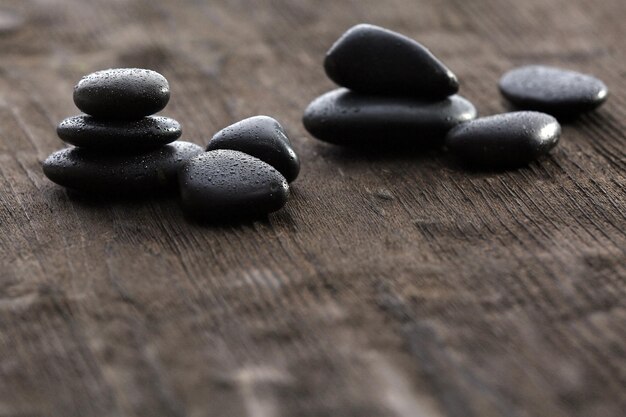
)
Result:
{"points": [[119, 146], [394, 91], [245, 172]]}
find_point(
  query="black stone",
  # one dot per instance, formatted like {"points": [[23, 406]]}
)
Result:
{"points": [[262, 137], [506, 140], [122, 93], [91, 171], [133, 135], [348, 118], [231, 184], [372, 60], [553, 90]]}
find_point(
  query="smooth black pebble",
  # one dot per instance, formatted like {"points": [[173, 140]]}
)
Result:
{"points": [[262, 137], [348, 118], [507, 140], [553, 90], [119, 136], [91, 171], [373, 60], [122, 93], [231, 184]]}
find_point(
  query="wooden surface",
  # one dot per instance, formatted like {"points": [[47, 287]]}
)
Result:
{"points": [[392, 284]]}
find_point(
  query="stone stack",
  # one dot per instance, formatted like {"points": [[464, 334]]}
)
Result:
{"points": [[394, 91], [119, 147], [245, 172]]}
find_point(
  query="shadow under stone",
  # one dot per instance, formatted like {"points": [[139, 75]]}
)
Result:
{"points": [[398, 150], [564, 117], [101, 199]]}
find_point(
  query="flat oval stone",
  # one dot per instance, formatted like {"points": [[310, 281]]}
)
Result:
{"points": [[122, 93], [553, 90], [506, 140], [262, 137], [91, 171], [372, 60], [142, 134], [225, 183], [348, 118]]}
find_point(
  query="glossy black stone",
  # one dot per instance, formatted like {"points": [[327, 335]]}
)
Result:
{"points": [[91, 171], [122, 93], [506, 140], [231, 184], [553, 90], [348, 118], [142, 134], [262, 137], [372, 60]]}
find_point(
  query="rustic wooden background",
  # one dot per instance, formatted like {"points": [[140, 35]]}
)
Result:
{"points": [[392, 284]]}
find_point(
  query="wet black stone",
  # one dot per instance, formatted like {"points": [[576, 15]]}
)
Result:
{"points": [[372, 60], [231, 184], [91, 171], [348, 118], [133, 135], [553, 90], [506, 140], [122, 93], [262, 137]]}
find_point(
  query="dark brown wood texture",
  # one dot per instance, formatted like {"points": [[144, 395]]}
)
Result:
{"points": [[390, 285]]}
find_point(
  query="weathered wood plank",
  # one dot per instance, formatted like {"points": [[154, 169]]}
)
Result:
{"points": [[390, 285]]}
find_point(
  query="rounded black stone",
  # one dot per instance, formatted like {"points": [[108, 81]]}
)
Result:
{"points": [[145, 133], [91, 171], [262, 137], [506, 140], [372, 60], [226, 183], [553, 90], [122, 93], [348, 118]]}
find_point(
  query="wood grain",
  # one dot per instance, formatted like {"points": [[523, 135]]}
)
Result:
{"points": [[392, 284]]}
